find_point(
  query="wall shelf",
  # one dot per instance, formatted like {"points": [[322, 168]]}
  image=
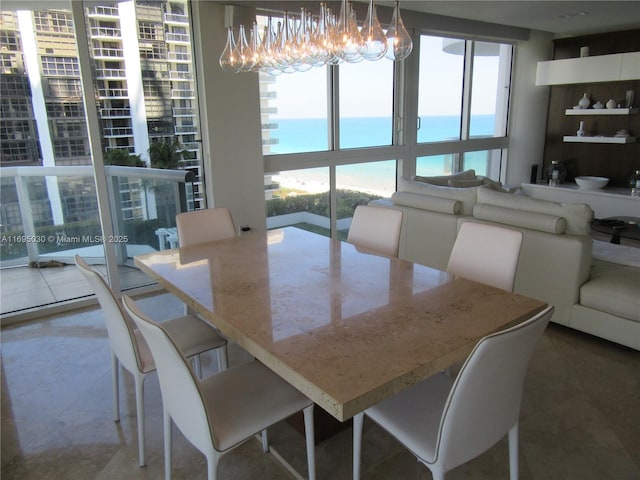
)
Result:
{"points": [[601, 68], [601, 111], [598, 139]]}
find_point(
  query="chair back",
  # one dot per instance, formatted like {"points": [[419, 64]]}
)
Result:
{"points": [[181, 396], [484, 401], [376, 229], [206, 225], [487, 254], [119, 328]]}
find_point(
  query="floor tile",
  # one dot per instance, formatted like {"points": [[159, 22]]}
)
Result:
{"points": [[579, 418]]}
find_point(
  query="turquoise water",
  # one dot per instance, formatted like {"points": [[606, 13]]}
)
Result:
{"points": [[311, 135]]}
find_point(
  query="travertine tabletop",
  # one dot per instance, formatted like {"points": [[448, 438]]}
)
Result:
{"points": [[346, 328]]}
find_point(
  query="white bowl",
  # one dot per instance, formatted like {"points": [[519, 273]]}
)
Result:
{"points": [[592, 183]]}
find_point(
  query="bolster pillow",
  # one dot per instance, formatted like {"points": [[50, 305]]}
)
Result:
{"points": [[427, 202], [577, 215], [466, 196], [518, 218]]}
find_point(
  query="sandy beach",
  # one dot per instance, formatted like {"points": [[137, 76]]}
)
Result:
{"points": [[317, 183]]}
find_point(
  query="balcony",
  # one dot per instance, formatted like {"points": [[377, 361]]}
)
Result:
{"points": [[178, 38], [183, 112], [102, 12], [63, 221], [179, 57], [182, 93], [186, 129], [176, 18], [107, 53], [115, 112], [118, 73], [191, 146], [112, 93], [176, 75], [117, 132], [105, 32]]}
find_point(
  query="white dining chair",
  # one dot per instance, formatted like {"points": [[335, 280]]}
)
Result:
{"points": [[224, 410], [446, 422], [129, 349], [208, 225], [486, 254], [376, 229]]}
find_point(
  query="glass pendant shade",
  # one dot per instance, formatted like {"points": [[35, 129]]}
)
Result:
{"points": [[253, 52], [374, 41], [350, 41], [228, 61], [241, 50], [399, 44], [300, 42]]}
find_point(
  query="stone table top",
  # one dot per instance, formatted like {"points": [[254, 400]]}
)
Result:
{"points": [[346, 327]]}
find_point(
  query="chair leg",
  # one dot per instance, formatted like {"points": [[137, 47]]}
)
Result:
{"points": [[358, 421], [212, 465], [197, 366], [167, 443], [223, 360], [310, 440], [513, 452], [139, 381], [265, 441], [115, 380]]}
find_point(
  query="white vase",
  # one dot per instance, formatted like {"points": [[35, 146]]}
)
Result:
{"points": [[580, 131], [584, 101], [611, 103]]}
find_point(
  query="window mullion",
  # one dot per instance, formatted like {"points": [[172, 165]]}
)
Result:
{"points": [[467, 87], [334, 143]]}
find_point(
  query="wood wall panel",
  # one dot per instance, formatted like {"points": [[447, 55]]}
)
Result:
{"points": [[608, 160]]}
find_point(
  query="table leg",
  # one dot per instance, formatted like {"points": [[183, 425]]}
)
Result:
{"points": [[357, 444]]}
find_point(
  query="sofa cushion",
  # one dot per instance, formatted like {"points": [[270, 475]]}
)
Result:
{"points": [[518, 218], [466, 196], [577, 215], [427, 202], [614, 289]]}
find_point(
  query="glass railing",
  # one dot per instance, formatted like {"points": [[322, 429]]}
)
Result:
{"points": [[51, 213]]}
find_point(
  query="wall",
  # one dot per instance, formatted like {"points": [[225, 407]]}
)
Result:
{"points": [[232, 140], [528, 117], [609, 160]]}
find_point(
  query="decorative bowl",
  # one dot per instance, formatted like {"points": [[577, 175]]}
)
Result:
{"points": [[592, 183]]}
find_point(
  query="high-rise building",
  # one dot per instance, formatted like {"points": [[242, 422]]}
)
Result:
{"points": [[144, 92]]}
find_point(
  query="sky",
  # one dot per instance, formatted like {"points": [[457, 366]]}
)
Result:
{"points": [[364, 84]]}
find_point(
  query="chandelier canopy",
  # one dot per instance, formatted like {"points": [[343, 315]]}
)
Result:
{"points": [[297, 43]]}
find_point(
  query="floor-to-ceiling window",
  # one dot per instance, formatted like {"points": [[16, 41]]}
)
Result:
{"points": [[134, 60], [351, 127], [463, 100]]}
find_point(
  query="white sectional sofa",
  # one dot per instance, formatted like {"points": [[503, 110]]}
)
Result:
{"points": [[599, 296]]}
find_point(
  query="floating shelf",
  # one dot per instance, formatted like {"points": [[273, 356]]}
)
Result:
{"points": [[575, 139], [601, 111]]}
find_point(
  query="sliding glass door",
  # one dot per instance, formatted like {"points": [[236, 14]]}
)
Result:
{"points": [[100, 134]]}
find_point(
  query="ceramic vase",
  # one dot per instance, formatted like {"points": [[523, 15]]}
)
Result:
{"points": [[584, 101]]}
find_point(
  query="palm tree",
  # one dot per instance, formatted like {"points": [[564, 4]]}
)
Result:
{"points": [[166, 154], [123, 158]]}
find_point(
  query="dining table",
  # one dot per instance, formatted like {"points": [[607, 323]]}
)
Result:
{"points": [[346, 327]]}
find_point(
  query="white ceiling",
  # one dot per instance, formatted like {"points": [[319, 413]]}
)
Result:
{"points": [[564, 18]]}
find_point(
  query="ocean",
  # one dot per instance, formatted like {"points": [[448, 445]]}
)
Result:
{"points": [[310, 135]]}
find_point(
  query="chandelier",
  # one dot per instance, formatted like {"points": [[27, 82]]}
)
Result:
{"points": [[297, 43]]}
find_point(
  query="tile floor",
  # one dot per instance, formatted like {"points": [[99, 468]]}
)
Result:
{"points": [[580, 416], [24, 287]]}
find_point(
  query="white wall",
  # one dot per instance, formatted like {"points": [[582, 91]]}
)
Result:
{"points": [[231, 133], [529, 104]]}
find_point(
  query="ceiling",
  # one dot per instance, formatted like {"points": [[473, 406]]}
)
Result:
{"points": [[563, 18]]}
